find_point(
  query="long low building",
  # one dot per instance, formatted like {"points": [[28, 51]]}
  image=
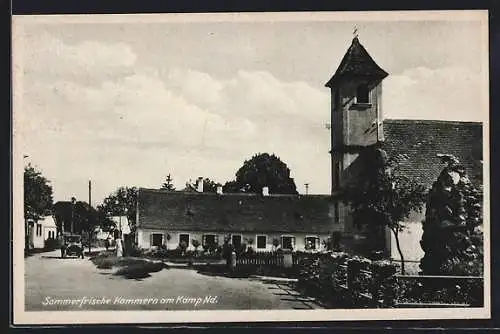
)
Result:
{"points": [[260, 221]]}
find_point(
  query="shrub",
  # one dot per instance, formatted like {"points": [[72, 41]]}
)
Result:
{"points": [[240, 249], [140, 269], [276, 243], [183, 246], [250, 251], [195, 244]]}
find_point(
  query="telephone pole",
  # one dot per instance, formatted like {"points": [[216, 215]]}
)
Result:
{"points": [[89, 217]]}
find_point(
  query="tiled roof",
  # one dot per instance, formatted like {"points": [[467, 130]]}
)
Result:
{"points": [[416, 143], [357, 62], [177, 210]]}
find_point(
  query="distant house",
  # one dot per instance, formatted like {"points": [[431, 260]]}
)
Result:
{"points": [[100, 234], [41, 230], [170, 217]]}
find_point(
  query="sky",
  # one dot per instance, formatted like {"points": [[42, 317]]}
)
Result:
{"points": [[125, 103]]}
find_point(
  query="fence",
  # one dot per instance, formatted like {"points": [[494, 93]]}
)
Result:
{"points": [[355, 282], [274, 259], [261, 259]]}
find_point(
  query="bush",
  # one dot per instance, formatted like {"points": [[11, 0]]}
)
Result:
{"points": [[183, 247], [441, 290], [129, 267], [195, 244], [140, 269]]}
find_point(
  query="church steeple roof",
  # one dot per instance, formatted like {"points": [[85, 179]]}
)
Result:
{"points": [[356, 63]]}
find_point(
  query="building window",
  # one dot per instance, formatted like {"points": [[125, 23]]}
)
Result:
{"points": [[287, 242], [210, 240], [312, 242], [236, 240], [362, 94], [157, 239], [261, 242], [38, 229], [184, 238]]}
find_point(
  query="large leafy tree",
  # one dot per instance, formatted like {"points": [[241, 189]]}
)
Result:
{"points": [[76, 217], [121, 202], [85, 219], [381, 197], [263, 170], [453, 236], [37, 194]]}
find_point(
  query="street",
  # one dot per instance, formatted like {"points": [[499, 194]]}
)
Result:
{"points": [[52, 283]]}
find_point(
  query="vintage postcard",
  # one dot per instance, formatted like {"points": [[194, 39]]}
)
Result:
{"points": [[245, 167]]}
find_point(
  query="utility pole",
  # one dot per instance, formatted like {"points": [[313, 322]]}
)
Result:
{"points": [[307, 188], [73, 201], [89, 217]]}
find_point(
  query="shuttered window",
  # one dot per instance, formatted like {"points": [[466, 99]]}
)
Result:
{"points": [[261, 241], [210, 239], [311, 242], [362, 94], [287, 242], [156, 239], [184, 238]]}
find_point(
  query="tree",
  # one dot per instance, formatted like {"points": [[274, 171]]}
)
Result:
{"points": [[209, 186], [80, 215], [121, 202], [381, 197], [263, 170], [168, 184], [453, 239], [85, 218], [38, 199]]}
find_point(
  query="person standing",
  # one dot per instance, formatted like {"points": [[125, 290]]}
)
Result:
{"points": [[119, 248]]}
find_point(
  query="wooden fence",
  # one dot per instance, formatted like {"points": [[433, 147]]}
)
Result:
{"points": [[261, 259], [274, 259]]}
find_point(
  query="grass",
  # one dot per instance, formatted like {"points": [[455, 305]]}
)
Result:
{"points": [[129, 267]]}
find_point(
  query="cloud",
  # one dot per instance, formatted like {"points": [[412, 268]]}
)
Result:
{"points": [[49, 57], [450, 93], [93, 111], [136, 128]]}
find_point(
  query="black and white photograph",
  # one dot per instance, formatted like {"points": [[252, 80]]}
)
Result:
{"points": [[250, 167]]}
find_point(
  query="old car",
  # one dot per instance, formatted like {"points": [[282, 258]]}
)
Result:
{"points": [[72, 246]]}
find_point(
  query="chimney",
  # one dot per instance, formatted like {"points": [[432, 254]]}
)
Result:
{"points": [[219, 190], [265, 191], [200, 184]]}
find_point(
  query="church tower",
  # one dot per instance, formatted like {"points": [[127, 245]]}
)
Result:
{"points": [[356, 115]]}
